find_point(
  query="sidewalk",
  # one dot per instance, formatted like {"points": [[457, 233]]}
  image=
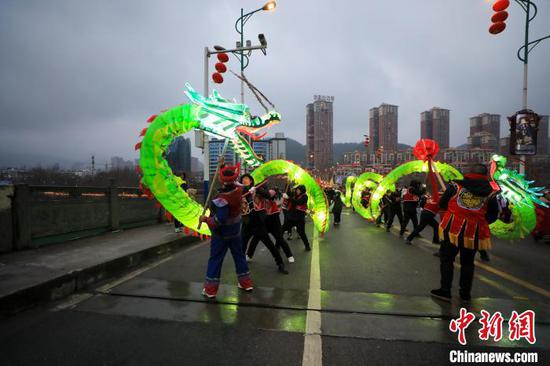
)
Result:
{"points": [[49, 273]]}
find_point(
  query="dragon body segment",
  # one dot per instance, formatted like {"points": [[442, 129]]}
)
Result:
{"points": [[220, 118]]}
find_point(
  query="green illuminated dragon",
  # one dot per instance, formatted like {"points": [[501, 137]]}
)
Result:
{"points": [[521, 198], [217, 117]]}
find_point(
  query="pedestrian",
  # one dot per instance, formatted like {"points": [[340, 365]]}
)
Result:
{"points": [[430, 208], [256, 229], [337, 206], [470, 206], [273, 223], [410, 197], [182, 181], [297, 208], [394, 209], [225, 225]]}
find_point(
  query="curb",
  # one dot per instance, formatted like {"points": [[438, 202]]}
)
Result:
{"points": [[80, 279]]}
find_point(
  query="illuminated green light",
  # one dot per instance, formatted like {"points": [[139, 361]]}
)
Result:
{"points": [[365, 180], [349, 188], [213, 115], [521, 198], [317, 201]]}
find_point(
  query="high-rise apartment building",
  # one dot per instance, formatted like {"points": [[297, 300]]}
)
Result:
{"points": [[485, 131], [179, 155], [319, 132], [383, 127], [215, 150], [434, 124]]}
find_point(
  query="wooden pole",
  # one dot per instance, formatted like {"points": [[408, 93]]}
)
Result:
{"points": [[207, 202]]}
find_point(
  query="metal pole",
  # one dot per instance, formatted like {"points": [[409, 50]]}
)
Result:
{"points": [[526, 55], [242, 56], [525, 74], [205, 147]]}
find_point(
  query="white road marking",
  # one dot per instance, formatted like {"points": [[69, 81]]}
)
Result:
{"points": [[313, 347]]}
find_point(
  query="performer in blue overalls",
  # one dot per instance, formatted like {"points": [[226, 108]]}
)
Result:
{"points": [[225, 224]]}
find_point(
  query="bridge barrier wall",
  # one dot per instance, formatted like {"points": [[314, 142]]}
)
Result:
{"points": [[33, 216]]}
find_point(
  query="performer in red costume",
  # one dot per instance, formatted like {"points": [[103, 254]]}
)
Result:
{"points": [[430, 208], [297, 208], [470, 206], [225, 224]]}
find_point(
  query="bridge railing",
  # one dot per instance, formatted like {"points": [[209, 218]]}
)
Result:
{"points": [[33, 216]]}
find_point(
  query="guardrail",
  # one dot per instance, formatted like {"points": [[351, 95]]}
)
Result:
{"points": [[33, 216]]}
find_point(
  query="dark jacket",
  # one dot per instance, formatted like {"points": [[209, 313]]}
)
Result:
{"points": [[337, 199]]}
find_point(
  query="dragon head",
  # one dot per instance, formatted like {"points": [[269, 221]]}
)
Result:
{"points": [[512, 185], [228, 119]]}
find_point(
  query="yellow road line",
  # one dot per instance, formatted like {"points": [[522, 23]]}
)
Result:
{"points": [[502, 274], [514, 279]]}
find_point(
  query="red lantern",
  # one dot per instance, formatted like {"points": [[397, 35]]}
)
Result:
{"points": [[499, 17], [501, 5], [496, 28], [217, 78], [425, 149], [223, 57], [220, 67]]}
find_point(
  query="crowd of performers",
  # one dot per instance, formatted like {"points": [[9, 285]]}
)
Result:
{"points": [[465, 208], [242, 215], [245, 213]]}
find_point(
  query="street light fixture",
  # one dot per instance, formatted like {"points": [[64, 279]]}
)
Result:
{"points": [[239, 27], [239, 50], [269, 6]]}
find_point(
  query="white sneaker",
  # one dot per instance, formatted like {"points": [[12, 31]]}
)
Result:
{"points": [[248, 259], [290, 259], [177, 230]]}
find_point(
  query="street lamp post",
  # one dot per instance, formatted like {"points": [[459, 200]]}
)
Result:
{"points": [[523, 55], [239, 50], [239, 27]]}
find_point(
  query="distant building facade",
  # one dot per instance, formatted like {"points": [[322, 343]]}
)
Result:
{"points": [[485, 132], [434, 124], [215, 150], [383, 127], [179, 155], [319, 133], [119, 163]]}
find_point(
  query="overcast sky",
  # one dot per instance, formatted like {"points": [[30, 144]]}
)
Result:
{"points": [[81, 77]]}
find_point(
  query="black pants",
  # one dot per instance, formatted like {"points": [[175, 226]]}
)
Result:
{"points": [[300, 224], [273, 224], [337, 216], [426, 218], [408, 215], [177, 224], [253, 228], [392, 212], [384, 215], [259, 233], [285, 221], [448, 252]]}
